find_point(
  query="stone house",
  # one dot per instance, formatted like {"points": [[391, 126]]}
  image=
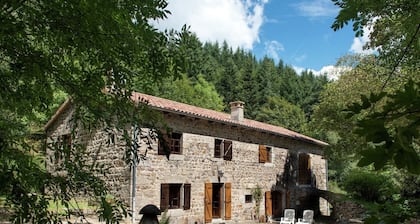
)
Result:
{"points": [[217, 161]]}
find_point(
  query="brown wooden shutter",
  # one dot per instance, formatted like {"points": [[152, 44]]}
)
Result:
{"points": [[228, 201], [227, 150], [163, 143], [164, 197], [288, 199], [268, 204], [262, 152], [187, 196], [208, 190]]}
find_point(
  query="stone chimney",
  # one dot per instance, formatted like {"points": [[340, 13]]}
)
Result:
{"points": [[237, 110]]}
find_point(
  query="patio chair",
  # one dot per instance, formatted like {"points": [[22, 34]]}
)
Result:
{"points": [[308, 217], [289, 216]]}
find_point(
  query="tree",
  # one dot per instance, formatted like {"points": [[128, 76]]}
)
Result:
{"points": [[395, 129], [277, 111], [198, 93], [329, 120], [78, 48]]}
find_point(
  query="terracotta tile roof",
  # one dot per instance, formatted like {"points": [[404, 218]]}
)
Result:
{"points": [[193, 111]]}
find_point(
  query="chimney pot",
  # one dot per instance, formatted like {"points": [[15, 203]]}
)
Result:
{"points": [[237, 110]]}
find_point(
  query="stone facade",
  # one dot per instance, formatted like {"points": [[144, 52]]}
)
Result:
{"points": [[197, 167]]}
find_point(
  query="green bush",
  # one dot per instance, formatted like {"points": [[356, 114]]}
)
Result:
{"points": [[369, 186]]}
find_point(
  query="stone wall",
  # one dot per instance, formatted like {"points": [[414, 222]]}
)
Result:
{"points": [[99, 149], [197, 165]]}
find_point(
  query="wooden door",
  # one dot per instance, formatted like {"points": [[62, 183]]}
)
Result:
{"points": [[217, 200], [277, 197]]}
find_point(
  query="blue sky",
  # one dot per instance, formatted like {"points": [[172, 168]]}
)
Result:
{"points": [[295, 31]]}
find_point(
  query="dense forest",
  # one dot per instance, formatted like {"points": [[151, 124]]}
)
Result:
{"points": [[55, 49], [216, 75]]}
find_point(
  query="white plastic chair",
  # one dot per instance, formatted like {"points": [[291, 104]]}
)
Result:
{"points": [[308, 217], [289, 216]]}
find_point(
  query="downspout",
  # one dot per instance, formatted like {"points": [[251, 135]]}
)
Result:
{"points": [[326, 187], [134, 147]]}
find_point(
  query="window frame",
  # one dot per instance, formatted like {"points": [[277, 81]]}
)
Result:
{"points": [[265, 154], [173, 141], [65, 141], [304, 169], [223, 149], [175, 196]]}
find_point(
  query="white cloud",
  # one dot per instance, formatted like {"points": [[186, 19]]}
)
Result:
{"points": [[360, 42], [237, 22], [298, 69], [273, 48], [332, 72], [317, 8]]}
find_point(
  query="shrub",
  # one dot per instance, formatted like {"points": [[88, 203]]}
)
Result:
{"points": [[369, 186]]}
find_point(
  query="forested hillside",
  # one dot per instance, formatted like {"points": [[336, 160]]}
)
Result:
{"points": [[216, 75]]}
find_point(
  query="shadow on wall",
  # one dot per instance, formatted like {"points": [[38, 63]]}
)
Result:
{"points": [[295, 187]]}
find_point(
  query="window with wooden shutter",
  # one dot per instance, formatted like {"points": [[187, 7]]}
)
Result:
{"points": [[304, 175], [187, 196], [228, 201], [268, 204], [171, 142], [64, 141], [218, 148], [227, 154], [208, 195], [170, 196], [262, 154]]}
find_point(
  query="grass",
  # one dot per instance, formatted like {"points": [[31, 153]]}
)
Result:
{"points": [[333, 187], [74, 204]]}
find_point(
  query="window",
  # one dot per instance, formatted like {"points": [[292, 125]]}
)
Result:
{"points": [[172, 142], [172, 196], [111, 139], [264, 154], [304, 176], [223, 148], [248, 198], [64, 141]]}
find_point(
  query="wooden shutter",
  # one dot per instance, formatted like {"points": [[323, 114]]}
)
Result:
{"points": [[288, 199], [228, 201], [268, 204], [187, 196], [262, 152], [208, 195], [227, 150], [164, 197]]}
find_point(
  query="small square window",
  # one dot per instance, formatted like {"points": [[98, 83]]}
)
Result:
{"points": [[111, 138], [248, 198], [223, 149], [172, 196], [172, 142], [265, 154]]}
